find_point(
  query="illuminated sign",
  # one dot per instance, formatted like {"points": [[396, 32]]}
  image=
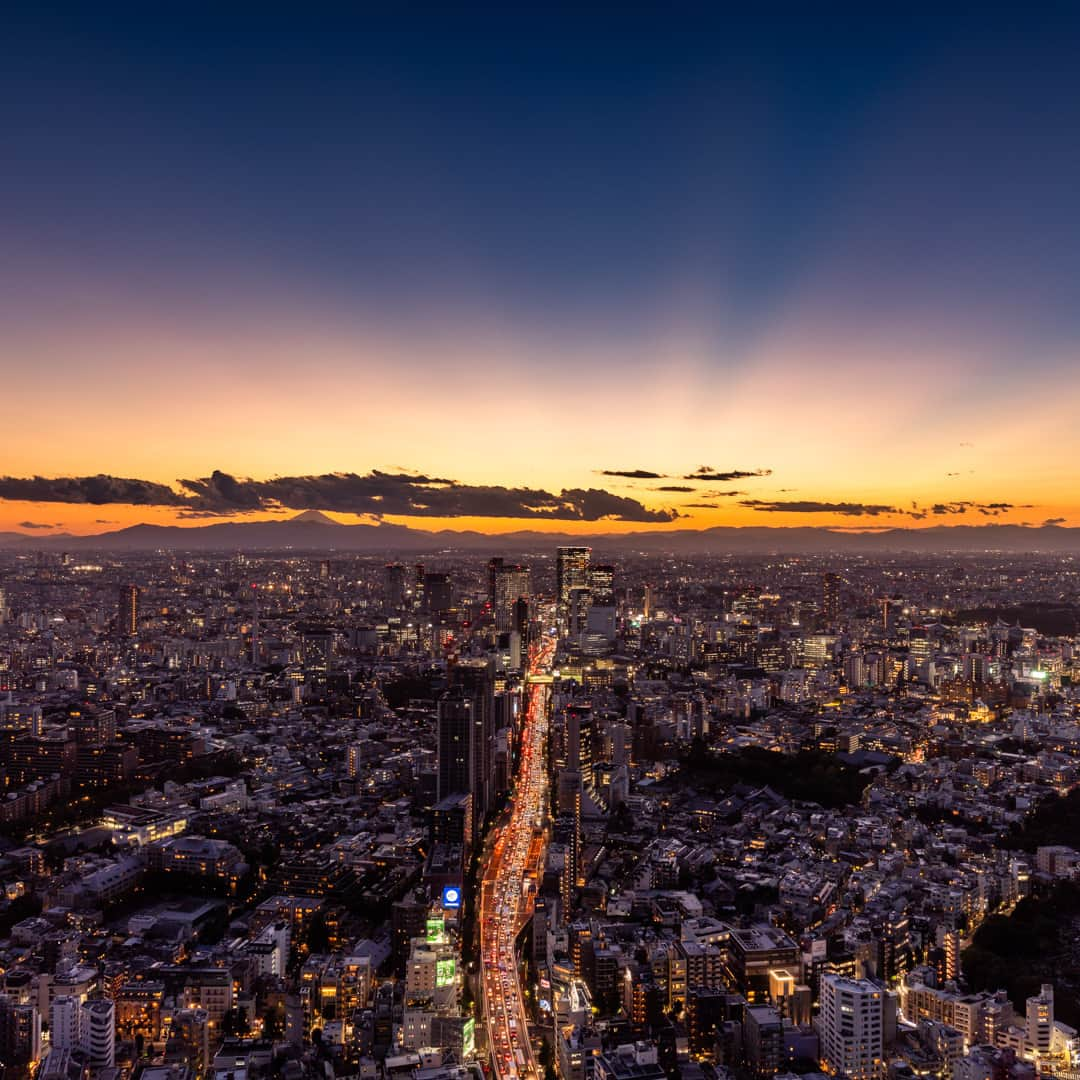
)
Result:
{"points": [[434, 929], [444, 971], [468, 1038], [451, 897]]}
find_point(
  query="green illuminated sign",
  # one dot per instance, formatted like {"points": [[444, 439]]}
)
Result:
{"points": [[434, 929], [444, 972], [468, 1037]]}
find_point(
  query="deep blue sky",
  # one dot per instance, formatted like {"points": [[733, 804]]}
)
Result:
{"points": [[577, 168]]}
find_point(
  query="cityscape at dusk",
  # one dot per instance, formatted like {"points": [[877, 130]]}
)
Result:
{"points": [[539, 545]]}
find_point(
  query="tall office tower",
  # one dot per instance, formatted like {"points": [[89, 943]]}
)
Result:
{"points": [[521, 619], [580, 606], [457, 713], [394, 587], [579, 741], [99, 1033], [438, 592], [324, 570], [602, 585], [509, 584], [475, 682], [127, 622], [571, 573], [830, 598], [3, 607], [418, 587], [1039, 1027], [495, 564], [851, 1027]]}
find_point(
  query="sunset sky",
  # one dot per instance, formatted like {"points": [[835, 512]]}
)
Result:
{"points": [[483, 265]]}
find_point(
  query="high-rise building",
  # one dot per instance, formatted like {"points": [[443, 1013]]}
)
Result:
{"points": [[356, 760], [127, 622], [394, 587], [99, 1033], [602, 585], [418, 587], [457, 713], [438, 592], [509, 583], [851, 1026], [830, 598], [475, 682], [571, 573]]}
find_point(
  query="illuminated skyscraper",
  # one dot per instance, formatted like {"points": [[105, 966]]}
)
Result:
{"points": [[571, 573], [602, 585], [509, 584], [128, 610]]}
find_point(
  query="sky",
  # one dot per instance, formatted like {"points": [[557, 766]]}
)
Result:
{"points": [[504, 269]]}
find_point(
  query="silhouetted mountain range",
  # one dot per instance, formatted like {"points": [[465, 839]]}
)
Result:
{"points": [[312, 531]]}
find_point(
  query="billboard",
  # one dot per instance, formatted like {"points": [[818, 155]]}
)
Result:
{"points": [[451, 897]]}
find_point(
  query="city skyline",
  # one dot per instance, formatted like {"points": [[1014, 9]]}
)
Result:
{"points": [[831, 255]]}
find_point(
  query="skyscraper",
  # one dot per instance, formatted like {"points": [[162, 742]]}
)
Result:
{"points": [[474, 682], [394, 595], [602, 585], [571, 573], [830, 598], [456, 716], [127, 621], [509, 584]]}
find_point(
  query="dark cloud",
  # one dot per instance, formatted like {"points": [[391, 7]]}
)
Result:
{"points": [[382, 494], [1053, 521], [633, 474], [722, 494], [963, 506], [39, 525], [376, 493], [806, 506], [701, 506], [707, 472], [679, 489], [103, 521], [95, 490]]}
